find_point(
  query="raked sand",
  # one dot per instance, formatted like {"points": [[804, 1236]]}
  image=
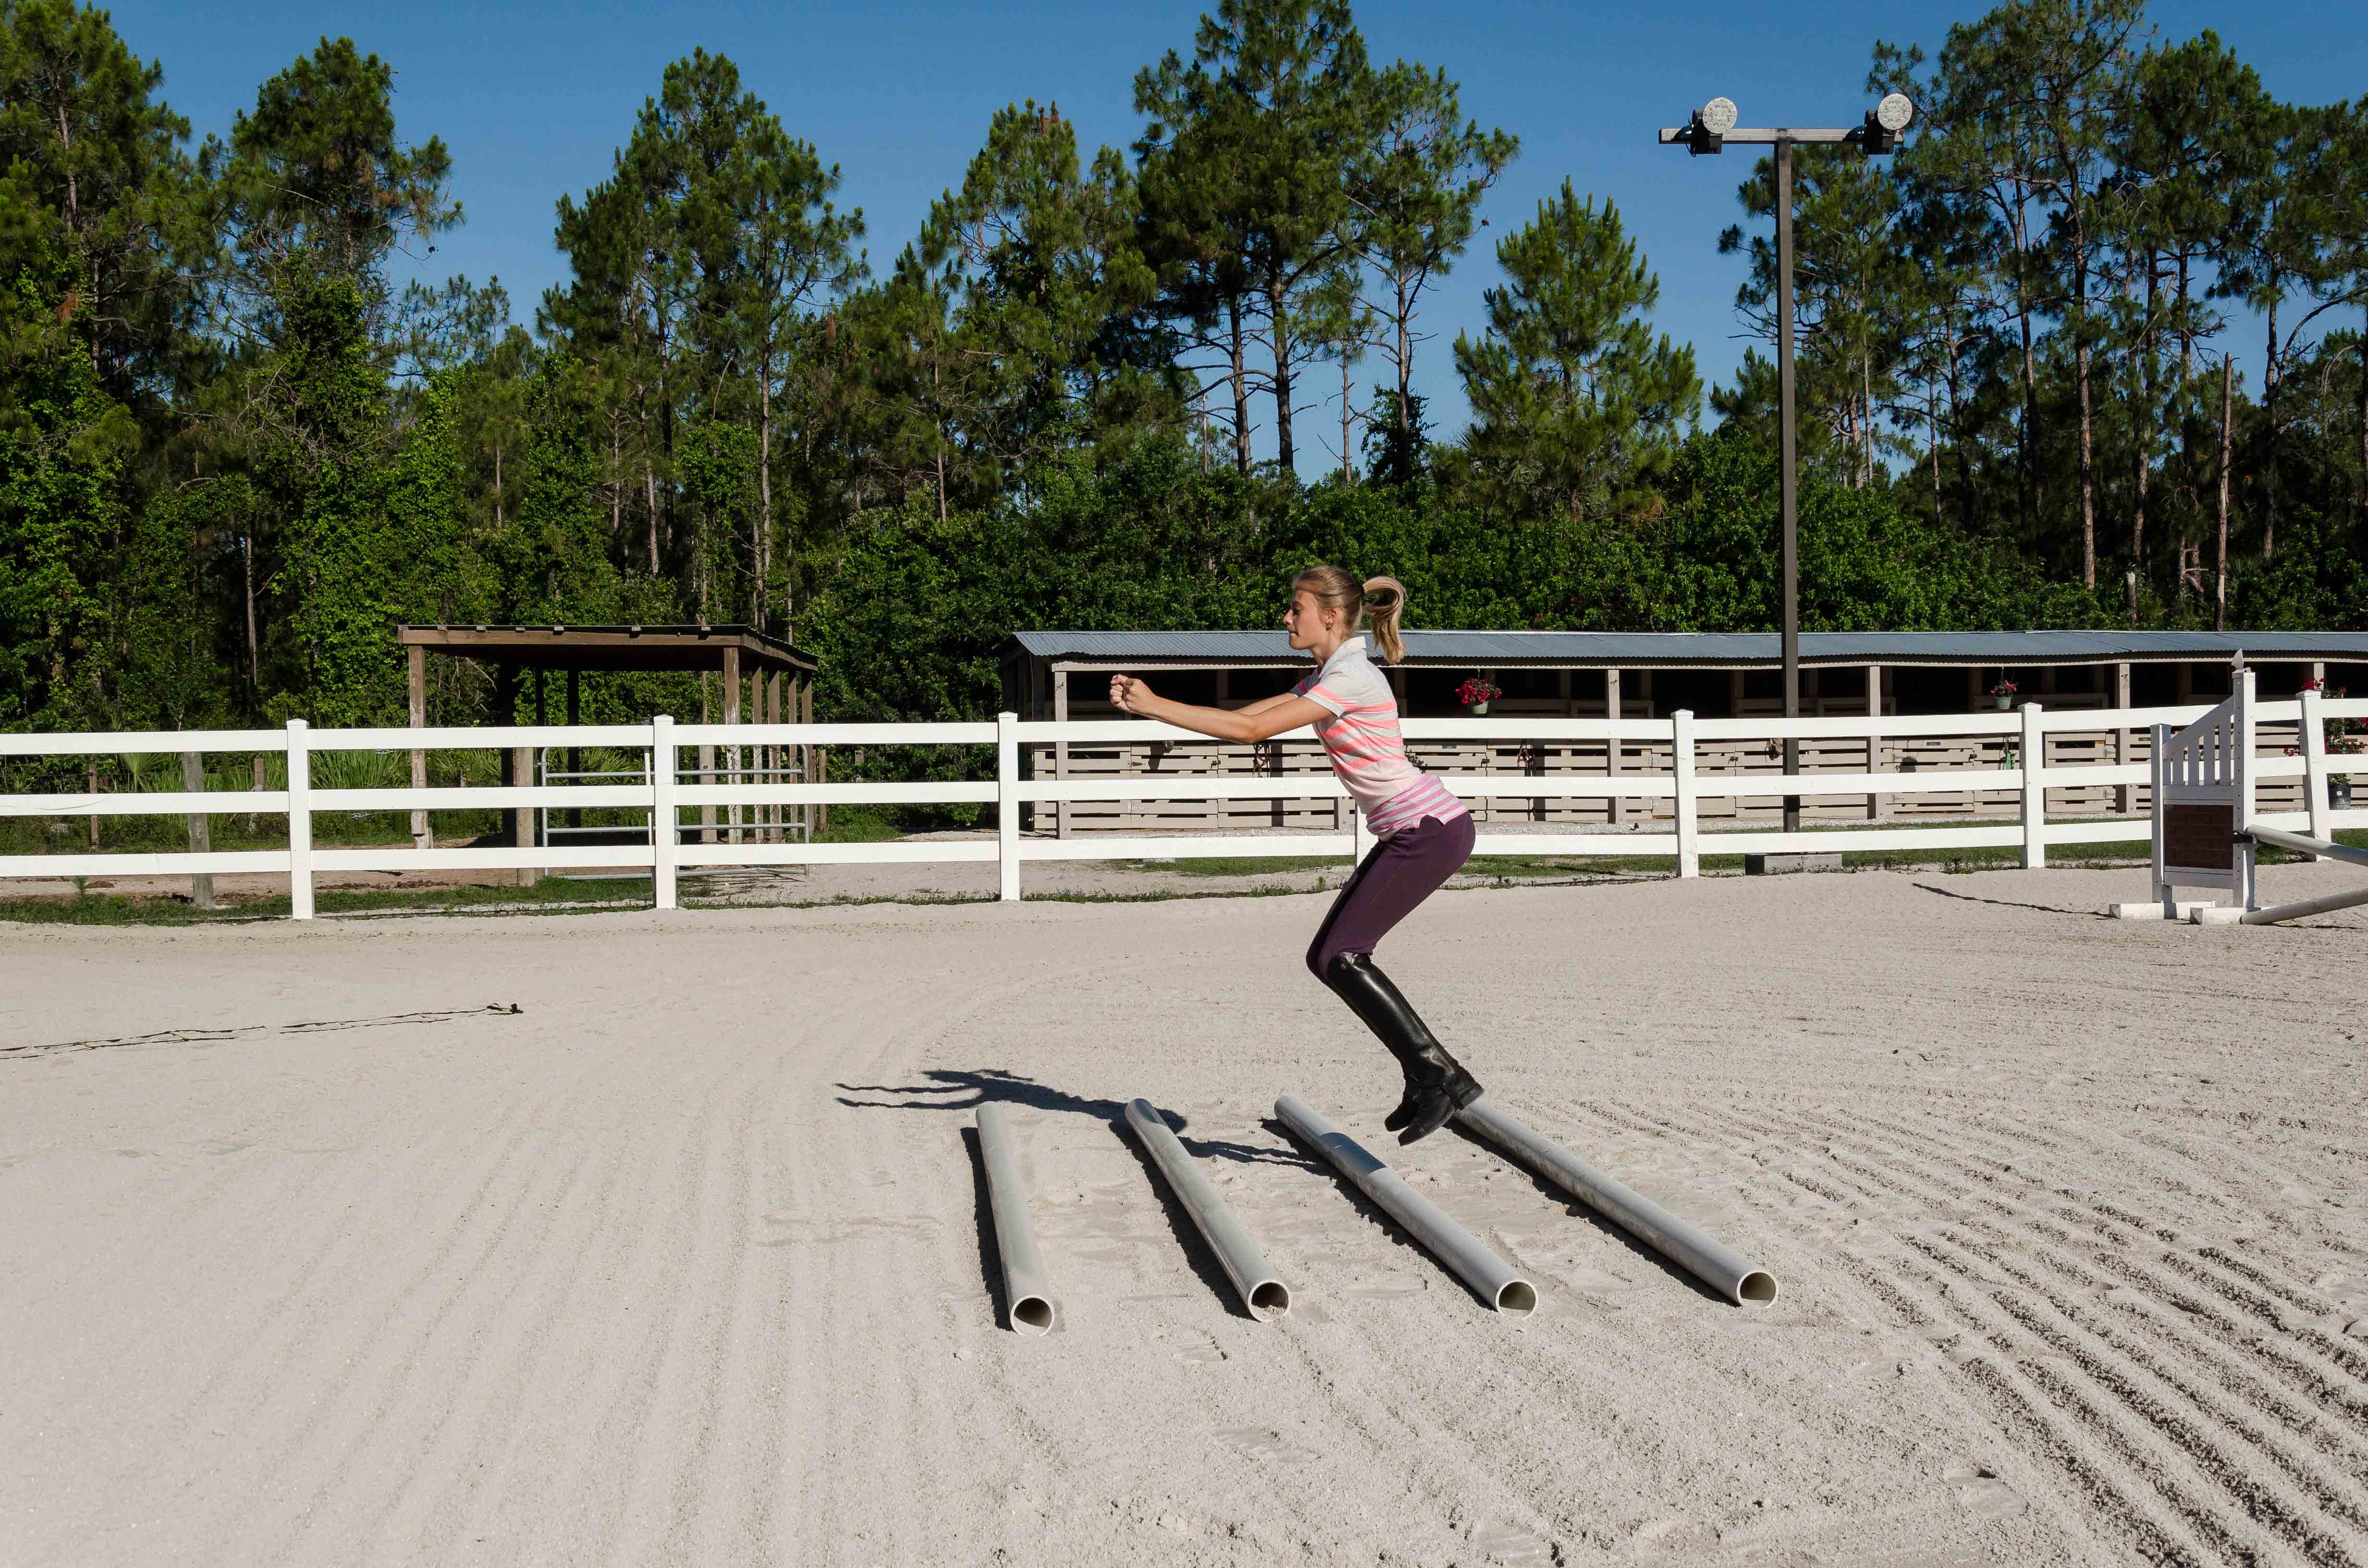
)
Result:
{"points": [[684, 1261]]}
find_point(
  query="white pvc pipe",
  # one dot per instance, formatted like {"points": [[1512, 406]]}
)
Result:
{"points": [[1491, 1275], [1024, 1287], [1689, 1248], [1256, 1282]]}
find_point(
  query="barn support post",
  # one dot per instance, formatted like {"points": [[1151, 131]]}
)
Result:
{"points": [[1060, 748], [1612, 742], [2314, 767], [706, 756], [575, 752], [1875, 735], [2125, 796]]}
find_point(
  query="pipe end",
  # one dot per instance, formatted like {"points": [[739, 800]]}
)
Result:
{"points": [[1516, 1298], [1271, 1296], [1031, 1314], [1757, 1289]]}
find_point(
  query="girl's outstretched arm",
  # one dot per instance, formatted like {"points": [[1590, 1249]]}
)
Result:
{"points": [[1259, 721]]}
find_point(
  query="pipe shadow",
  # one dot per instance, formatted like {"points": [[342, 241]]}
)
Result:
{"points": [[990, 1248], [1581, 1212], [958, 1089], [1197, 1252], [2012, 902], [1381, 1218]]}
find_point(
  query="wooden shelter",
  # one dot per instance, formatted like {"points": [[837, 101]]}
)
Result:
{"points": [[764, 679]]}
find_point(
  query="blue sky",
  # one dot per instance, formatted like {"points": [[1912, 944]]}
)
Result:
{"points": [[533, 101]]}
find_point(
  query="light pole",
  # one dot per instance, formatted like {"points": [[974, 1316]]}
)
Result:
{"points": [[1711, 128]]}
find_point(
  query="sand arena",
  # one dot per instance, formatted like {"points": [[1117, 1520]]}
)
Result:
{"points": [[664, 1267]]}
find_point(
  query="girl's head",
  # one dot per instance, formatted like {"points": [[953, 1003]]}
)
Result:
{"points": [[1327, 604]]}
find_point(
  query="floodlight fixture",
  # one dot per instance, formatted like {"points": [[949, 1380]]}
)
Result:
{"points": [[1707, 131], [1894, 111]]}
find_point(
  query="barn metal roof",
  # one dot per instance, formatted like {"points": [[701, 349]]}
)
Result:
{"points": [[1670, 650]]}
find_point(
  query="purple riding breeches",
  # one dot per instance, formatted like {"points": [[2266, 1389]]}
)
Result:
{"points": [[1401, 871]]}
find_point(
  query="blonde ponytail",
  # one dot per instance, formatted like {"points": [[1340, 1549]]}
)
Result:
{"points": [[1384, 603], [1380, 599]]}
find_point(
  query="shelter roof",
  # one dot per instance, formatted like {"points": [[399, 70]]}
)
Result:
{"points": [[1712, 650], [611, 647]]}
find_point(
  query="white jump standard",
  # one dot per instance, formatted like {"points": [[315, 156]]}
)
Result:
{"points": [[1260, 1290], [2207, 824], [1024, 1287], [1689, 1247], [1496, 1281]]}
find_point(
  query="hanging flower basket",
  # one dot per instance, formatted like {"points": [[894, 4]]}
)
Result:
{"points": [[2003, 695], [1477, 694]]}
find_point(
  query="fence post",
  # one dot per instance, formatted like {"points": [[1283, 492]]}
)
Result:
{"points": [[664, 834], [2247, 784], [300, 822], [2159, 766], [1681, 751], [2034, 787], [2313, 766], [193, 779], [1006, 806]]}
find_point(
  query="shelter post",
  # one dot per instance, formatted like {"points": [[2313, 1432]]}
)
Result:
{"points": [[575, 752], [2125, 797], [732, 714]]}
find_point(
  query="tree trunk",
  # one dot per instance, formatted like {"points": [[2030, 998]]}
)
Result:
{"points": [[1405, 322], [650, 493], [254, 648], [1241, 389], [1279, 322], [2363, 424], [2227, 421], [761, 547], [500, 521], [1347, 469], [2034, 500], [2088, 416], [2270, 381]]}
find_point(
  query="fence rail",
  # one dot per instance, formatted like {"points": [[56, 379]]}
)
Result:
{"points": [[1681, 791]]}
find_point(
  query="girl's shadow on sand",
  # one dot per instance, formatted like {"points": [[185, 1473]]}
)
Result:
{"points": [[956, 1090]]}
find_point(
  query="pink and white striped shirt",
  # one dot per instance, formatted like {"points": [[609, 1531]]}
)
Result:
{"points": [[1366, 749]]}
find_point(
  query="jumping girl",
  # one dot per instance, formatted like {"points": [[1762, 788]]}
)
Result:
{"points": [[1425, 834]]}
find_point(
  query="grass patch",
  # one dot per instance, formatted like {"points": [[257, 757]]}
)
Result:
{"points": [[551, 895]]}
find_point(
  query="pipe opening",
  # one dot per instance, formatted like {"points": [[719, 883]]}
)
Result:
{"points": [[1271, 1296], [1757, 1286], [1518, 1296], [1031, 1314]]}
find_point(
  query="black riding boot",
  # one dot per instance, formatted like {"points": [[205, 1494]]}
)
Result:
{"points": [[1437, 1085]]}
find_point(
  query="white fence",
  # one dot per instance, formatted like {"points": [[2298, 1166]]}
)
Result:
{"points": [[1676, 795]]}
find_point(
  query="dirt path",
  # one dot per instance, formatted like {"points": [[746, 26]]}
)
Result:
{"points": [[682, 1262]]}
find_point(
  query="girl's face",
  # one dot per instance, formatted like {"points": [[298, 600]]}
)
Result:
{"points": [[1306, 624]]}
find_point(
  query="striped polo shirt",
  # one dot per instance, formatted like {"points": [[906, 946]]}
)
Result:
{"points": [[1367, 752]]}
